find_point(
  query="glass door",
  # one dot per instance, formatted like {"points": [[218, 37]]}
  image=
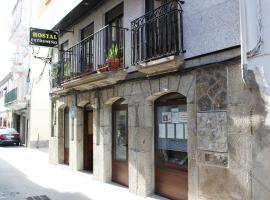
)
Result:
{"points": [[171, 156], [120, 144]]}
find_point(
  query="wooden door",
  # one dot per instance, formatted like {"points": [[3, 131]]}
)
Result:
{"points": [[120, 145], [171, 159], [66, 136], [88, 140]]}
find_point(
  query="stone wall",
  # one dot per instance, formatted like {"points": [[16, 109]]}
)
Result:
{"points": [[218, 124]]}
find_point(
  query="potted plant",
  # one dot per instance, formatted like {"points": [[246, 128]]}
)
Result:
{"points": [[54, 71], [67, 71], [113, 60], [103, 67]]}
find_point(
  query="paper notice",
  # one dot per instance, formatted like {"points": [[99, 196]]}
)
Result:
{"points": [[161, 131], [179, 131], [183, 117], [175, 115], [170, 131]]}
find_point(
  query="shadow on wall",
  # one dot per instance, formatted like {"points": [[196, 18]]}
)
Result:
{"points": [[15, 185], [260, 141]]}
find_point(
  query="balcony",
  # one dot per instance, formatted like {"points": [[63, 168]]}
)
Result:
{"points": [[157, 39], [11, 96], [95, 61]]}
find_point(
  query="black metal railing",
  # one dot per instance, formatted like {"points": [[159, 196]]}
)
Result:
{"points": [[11, 96], [158, 33], [104, 51]]}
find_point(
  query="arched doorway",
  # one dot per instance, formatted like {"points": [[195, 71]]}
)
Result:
{"points": [[120, 142], [66, 135], [88, 138], [171, 158]]}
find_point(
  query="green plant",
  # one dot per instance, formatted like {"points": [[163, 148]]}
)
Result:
{"points": [[54, 71], [67, 70], [113, 52]]}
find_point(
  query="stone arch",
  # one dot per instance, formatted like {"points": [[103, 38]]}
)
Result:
{"points": [[112, 100], [153, 97], [83, 103], [171, 143]]}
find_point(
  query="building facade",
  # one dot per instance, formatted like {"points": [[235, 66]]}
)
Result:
{"points": [[29, 107], [5, 86], [149, 94]]}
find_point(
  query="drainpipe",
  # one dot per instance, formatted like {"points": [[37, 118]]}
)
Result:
{"points": [[243, 38]]}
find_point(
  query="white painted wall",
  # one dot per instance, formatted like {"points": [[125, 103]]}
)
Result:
{"points": [[40, 99], [255, 31], [209, 25]]}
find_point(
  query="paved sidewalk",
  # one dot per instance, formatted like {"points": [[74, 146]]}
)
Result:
{"points": [[26, 173]]}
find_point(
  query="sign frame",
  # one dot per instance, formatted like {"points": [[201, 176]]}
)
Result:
{"points": [[44, 37]]}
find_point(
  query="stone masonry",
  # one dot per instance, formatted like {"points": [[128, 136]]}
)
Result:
{"points": [[218, 143]]}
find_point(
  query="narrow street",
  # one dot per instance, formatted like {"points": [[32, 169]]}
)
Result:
{"points": [[25, 174]]}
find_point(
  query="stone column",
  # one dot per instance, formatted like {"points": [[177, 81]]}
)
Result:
{"points": [[141, 148]]}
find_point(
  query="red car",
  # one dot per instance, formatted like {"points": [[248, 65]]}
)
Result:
{"points": [[9, 136]]}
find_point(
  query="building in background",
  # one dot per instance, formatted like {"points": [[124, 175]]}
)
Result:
{"points": [[31, 107], [18, 96], [5, 85]]}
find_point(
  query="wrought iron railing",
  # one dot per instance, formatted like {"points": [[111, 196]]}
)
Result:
{"points": [[158, 33], [104, 51], [11, 96]]}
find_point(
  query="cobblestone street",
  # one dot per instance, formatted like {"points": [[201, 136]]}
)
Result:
{"points": [[26, 174]]}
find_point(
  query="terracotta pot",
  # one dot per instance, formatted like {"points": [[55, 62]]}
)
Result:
{"points": [[103, 68], [114, 64]]}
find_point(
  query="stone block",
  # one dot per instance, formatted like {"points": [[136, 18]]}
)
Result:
{"points": [[192, 179], [212, 131], [212, 158], [164, 83], [220, 184], [174, 82], [238, 119], [186, 83], [192, 131], [154, 86], [141, 139], [211, 89], [145, 173]]}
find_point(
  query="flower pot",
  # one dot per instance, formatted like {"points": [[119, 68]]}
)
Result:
{"points": [[114, 64], [103, 68]]}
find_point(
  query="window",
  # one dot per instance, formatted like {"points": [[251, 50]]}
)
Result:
{"points": [[171, 131], [114, 35]]}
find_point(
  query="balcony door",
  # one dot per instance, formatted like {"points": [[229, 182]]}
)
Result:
{"points": [[161, 29], [120, 143], [171, 158], [115, 33], [87, 48]]}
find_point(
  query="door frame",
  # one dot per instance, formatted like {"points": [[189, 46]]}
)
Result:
{"points": [[66, 112], [85, 130], [156, 105], [117, 107]]}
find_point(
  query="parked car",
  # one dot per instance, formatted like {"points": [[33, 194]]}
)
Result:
{"points": [[9, 136]]}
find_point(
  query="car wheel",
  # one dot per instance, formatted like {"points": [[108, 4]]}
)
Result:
{"points": [[17, 144]]}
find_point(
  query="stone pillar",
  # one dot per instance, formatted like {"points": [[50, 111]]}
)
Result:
{"points": [[141, 148], [76, 136], [102, 142]]}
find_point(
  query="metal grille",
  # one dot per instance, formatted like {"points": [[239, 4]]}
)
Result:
{"points": [[41, 197], [158, 33], [90, 54]]}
